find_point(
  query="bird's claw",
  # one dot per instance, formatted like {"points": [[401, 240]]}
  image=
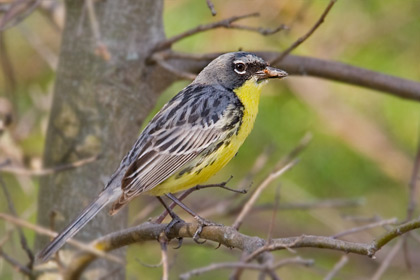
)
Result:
{"points": [[180, 240], [201, 224], [175, 219]]}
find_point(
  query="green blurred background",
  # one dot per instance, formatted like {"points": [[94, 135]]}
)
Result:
{"points": [[363, 141]]}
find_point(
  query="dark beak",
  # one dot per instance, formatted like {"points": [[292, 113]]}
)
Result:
{"points": [[270, 72]]}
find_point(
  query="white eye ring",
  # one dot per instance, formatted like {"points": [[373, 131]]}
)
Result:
{"points": [[240, 67]]}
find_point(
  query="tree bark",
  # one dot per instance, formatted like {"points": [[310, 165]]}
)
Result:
{"points": [[98, 106]]}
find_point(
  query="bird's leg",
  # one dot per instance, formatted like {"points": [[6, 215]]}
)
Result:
{"points": [[175, 219], [201, 221]]}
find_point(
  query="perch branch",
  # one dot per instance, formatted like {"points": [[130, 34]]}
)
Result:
{"points": [[231, 238]]}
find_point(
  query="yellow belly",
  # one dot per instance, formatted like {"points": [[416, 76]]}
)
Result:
{"points": [[249, 94]]}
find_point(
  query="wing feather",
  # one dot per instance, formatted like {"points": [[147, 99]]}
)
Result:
{"points": [[177, 135]]}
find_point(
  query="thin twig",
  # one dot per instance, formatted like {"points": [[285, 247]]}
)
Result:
{"points": [[159, 59], [327, 203], [12, 209], [18, 11], [196, 188], [306, 36], [283, 165], [412, 196], [101, 50], [413, 182], [40, 47], [16, 265], [339, 265], [7, 67], [46, 171], [273, 215], [366, 227], [226, 23], [388, 259], [251, 266], [224, 207], [44, 231], [250, 203], [260, 30], [211, 7], [164, 250]]}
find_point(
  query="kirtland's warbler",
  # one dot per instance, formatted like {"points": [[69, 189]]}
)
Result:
{"points": [[191, 138]]}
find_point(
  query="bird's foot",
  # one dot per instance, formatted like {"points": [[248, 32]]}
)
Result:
{"points": [[201, 224], [175, 220]]}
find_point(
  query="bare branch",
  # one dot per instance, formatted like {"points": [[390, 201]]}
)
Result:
{"points": [[242, 265], [7, 67], [211, 7], [413, 183], [164, 250], [44, 231], [385, 264], [327, 203], [46, 171], [308, 66], [283, 165], [226, 23], [101, 49], [365, 227], [260, 30], [196, 188], [15, 264], [306, 36], [250, 203], [159, 59], [231, 238], [339, 265], [12, 209], [17, 12]]}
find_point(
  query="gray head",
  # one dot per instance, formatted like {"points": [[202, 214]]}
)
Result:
{"points": [[232, 70]]}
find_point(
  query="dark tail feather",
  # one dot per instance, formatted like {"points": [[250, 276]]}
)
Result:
{"points": [[103, 199]]}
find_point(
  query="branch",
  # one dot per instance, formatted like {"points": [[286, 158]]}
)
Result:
{"points": [[12, 209], [243, 265], [231, 238], [308, 66], [226, 23], [211, 7], [18, 11], [339, 265], [45, 171], [44, 231], [250, 203], [306, 36]]}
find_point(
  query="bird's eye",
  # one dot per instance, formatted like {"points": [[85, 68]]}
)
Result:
{"points": [[240, 68]]}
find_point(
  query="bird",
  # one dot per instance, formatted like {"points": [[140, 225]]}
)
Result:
{"points": [[191, 138]]}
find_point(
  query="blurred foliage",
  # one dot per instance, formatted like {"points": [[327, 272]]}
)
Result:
{"points": [[377, 35]]}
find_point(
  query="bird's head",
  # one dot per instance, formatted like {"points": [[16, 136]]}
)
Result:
{"points": [[232, 70]]}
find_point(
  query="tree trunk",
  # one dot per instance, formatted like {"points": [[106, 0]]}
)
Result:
{"points": [[98, 107]]}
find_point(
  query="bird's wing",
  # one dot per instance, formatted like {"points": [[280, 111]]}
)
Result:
{"points": [[195, 120]]}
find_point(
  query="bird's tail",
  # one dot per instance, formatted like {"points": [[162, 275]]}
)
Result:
{"points": [[104, 198]]}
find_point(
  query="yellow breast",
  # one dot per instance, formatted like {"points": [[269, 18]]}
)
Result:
{"points": [[249, 95]]}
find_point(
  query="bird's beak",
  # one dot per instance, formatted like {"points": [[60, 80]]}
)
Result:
{"points": [[269, 73]]}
